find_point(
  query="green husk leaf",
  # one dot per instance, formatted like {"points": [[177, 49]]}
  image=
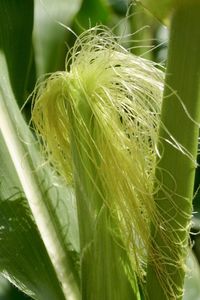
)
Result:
{"points": [[111, 263]]}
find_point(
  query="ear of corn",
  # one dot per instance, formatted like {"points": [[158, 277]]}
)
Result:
{"points": [[99, 125]]}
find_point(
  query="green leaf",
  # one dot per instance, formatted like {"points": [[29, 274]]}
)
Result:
{"points": [[163, 9], [192, 286], [23, 257], [160, 9], [4, 287], [49, 35], [17, 54], [90, 16], [26, 161], [56, 222]]}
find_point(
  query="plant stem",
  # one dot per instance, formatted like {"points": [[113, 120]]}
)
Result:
{"points": [[177, 179]]}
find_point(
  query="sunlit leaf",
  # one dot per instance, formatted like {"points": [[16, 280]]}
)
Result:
{"points": [[23, 257], [49, 35], [163, 9], [4, 287], [160, 9], [23, 174], [192, 287]]}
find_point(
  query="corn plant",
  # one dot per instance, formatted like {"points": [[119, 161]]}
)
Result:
{"points": [[96, 190]]}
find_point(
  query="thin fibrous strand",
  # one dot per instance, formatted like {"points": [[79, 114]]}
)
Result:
{"points": [[122, 94]]}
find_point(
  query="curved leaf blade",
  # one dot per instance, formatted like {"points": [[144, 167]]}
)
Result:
{"points": [[25, 160], [163, 9], [19, 26], [49, 36]]}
